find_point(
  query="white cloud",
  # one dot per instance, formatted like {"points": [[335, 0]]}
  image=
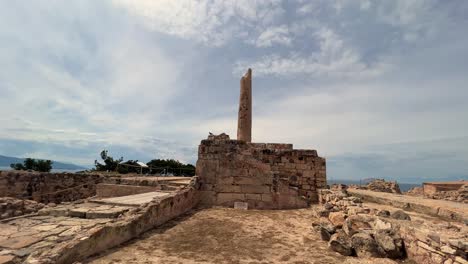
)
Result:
{"points": [[274, 35], [333, 59], [211, 22]]}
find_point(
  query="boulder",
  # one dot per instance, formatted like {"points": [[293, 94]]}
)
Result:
{"points": [[365, 245], [357, 223], [326, 230], [325, 234], [337, 218], [400, 215], [322, 213], [340, 242], [379, 224], [383, 213], [390, 243]]}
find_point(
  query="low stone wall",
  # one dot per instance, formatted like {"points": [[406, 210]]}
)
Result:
{"points": [[115, 190], [266, 176], [11, 207], [48, 187], [131, 225]]}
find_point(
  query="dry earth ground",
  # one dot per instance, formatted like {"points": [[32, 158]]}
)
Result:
{"points": [[223, 235]]}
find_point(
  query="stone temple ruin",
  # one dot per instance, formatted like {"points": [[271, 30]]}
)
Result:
{"points": [[70, 217], [264, 175]]}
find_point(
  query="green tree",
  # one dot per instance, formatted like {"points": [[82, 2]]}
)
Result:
{"points": [[172, 166], [109, 163], [32, 164]]}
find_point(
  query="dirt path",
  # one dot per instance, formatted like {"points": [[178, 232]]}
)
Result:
{"points": [[222, 235]]}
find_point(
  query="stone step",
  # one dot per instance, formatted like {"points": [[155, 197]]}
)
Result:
{"points": [[132, 200]]}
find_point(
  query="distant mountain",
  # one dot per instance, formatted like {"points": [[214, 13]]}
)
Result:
{"points": [[5, 161]]}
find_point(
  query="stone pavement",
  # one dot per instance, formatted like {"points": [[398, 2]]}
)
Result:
{"points": [[67, 222], [23, 236], [132, 200]]}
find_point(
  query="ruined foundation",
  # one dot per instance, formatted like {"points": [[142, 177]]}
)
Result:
{"points": [[266, 176]]}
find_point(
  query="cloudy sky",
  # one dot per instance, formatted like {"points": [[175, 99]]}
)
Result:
{"points": [[379, 88]]}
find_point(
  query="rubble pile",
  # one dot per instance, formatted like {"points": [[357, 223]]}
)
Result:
{"points": [[380, 185], [11, 207], [415, 191], [460, 195], [353, 229]]}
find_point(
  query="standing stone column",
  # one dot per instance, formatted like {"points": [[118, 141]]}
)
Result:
{"points": [[244, 124]]}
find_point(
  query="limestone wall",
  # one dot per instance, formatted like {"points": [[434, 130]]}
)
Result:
{"points": [[48, 187], [115, 190], [132, 225], [266, 176]]}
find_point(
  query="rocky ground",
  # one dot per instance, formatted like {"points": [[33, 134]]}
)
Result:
{"points": [[354, 228], [223, 235]]}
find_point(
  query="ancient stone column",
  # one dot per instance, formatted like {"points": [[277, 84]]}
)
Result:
{"points": [[244, 124]]}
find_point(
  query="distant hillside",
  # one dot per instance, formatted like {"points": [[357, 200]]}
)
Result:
{"points": [[5, 161]]}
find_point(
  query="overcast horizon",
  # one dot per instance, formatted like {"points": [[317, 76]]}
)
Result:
{"points": [[378, 88]]}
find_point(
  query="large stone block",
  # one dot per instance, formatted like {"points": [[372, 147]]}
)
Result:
{"points": [[255, 188], [222, 198]]}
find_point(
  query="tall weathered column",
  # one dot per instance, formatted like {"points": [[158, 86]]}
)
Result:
{"points": [[244, 124]]}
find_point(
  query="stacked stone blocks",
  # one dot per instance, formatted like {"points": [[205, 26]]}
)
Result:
{"points": [[266, 176]]}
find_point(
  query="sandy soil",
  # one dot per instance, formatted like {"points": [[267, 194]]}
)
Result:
{"points": [[223, 235]]}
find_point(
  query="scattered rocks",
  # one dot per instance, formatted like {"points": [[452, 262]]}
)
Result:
{"points": [[369, 233]]}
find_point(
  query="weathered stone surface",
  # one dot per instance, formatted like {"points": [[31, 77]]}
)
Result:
{"points": [[337, 218], [326, 230], [383, 213], [7, 259], [357, 223], [341, 243], [400, 215], [244, 125], [365, 245], [11, 207], [47, 187], [390, 243], [18, 242], [267, 176]]}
